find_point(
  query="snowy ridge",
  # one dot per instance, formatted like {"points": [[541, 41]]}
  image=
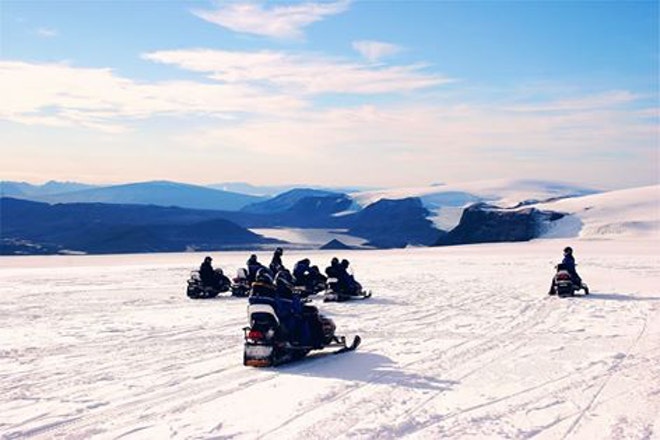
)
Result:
{"points": [[502, 192], [446, 202], [631, 212]]}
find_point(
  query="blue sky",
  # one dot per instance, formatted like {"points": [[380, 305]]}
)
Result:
{"points": [[381, 93]]}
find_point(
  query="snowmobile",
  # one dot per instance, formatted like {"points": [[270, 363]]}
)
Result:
{"points": [[240, 285], [198, 290], [336, 292], [306, 290], [563, 284], [282, 330]]}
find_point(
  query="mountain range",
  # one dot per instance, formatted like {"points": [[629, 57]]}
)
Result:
{"points": [[167, 216]]}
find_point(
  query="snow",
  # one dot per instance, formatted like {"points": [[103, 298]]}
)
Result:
{"points": [[458, 342], [631, 212]]}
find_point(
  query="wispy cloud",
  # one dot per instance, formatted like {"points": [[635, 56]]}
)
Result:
{"points": [[300, 73], [436, 138], [47, 32], [61, 95], [375, 50], [279, 21]]}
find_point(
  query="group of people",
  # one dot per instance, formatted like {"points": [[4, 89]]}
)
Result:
{"points": [[304, 274], [308, 276]]}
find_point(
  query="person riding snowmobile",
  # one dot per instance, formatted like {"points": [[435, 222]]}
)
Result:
{"points": [[253, 266], [301, 272], [284, 284], [263, 284], [568, 264], [212, 277], [276, 262], [347, 280]]}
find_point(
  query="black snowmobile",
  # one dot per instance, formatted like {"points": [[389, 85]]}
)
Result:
{"points": [[198, 290], [281, 329], [564, 285], [309, 289], [335, 291]]}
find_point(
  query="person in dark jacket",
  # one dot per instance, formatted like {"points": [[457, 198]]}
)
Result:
{"points": [[568, 263], [301, 272], [352, 286], [284, 284], [332, 270], [276, 263], [212, 277], [253, 267]]}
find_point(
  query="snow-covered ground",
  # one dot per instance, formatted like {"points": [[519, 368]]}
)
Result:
{"points": [[458, 342]]}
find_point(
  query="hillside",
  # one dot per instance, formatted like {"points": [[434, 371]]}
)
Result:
{"points": [[631, 212], [161, 193], [39, 228]]}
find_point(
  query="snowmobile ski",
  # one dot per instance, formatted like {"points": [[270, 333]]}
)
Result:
{"points": [[337, 297], [355, 344]]}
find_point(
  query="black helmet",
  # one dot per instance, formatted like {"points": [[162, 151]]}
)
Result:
{"points": [[568, 250], [264, 276], [345, 263], [207, 259], [334, 261], [284, 277], [279, 251]]}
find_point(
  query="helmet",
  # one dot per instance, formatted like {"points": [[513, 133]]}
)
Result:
{"points": [[568, 250], [345, 263], [207, 259], [279, 251], [334, 261], [284, 277], [264, 276]]}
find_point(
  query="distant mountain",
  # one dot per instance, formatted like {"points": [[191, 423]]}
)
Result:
{"points": [[34, 227], [161, 193], [23, 189], [286, 201], [273, 190], [254, 190], [335, 244], [395, 223]]}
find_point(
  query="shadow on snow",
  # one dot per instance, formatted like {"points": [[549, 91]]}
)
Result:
{"points": [[365, 367]]}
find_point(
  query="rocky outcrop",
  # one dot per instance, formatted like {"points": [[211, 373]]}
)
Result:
{"points": [[483, 223], [335, 244], [395, 223]]}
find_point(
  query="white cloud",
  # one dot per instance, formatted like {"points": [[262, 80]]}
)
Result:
{"points": [[455, 139], [301, 74], [47, 32], [375, 50], [61, 95], [280, 21]]}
